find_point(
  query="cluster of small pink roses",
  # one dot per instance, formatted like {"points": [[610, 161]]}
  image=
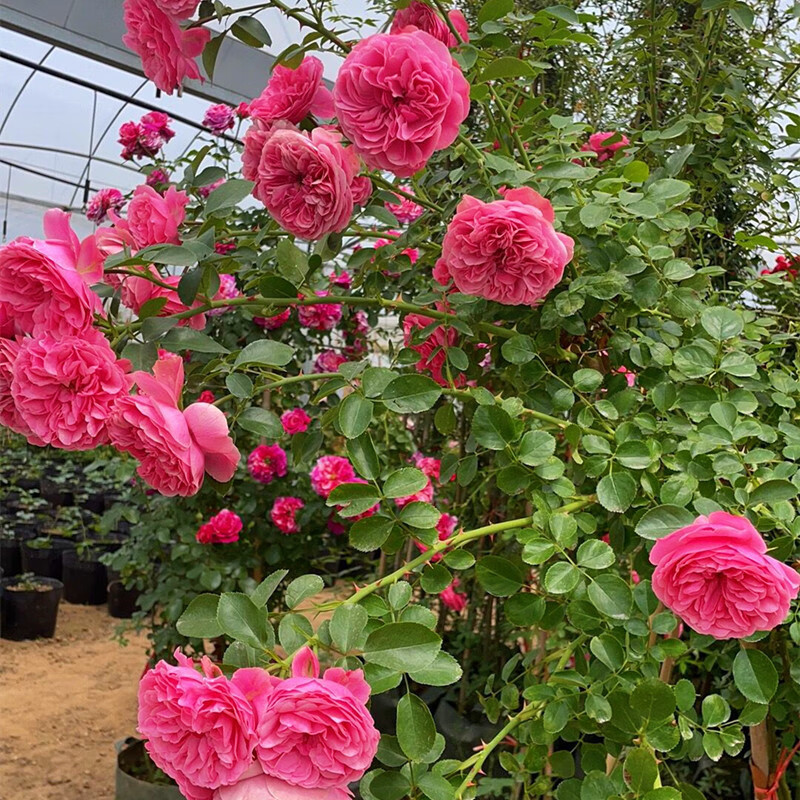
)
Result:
{"points": [[255, 735], [145, 138]]}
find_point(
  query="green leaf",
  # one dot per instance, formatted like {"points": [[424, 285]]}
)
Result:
{"points": [[210, 53], [302, 588], [654, 701], [250, 31], [388, 785], [347, 627], [370, 533], [636, 172], [519, 349], [419, 515], [499, 576], [633, 455], [266, 352], [742, 15], [611, 596], [237, 384], [594, 215], [405, 482], [715, 710], [663, 520], [595, 554], [355, 414], [199, 621], [587, 380], [261, 422], [493, 427], [494, 9], [608, 650], [616, 491], [435, 578], [354, 498], [641, 770], [416, 730], [231, 192], [364, 456], [444, 671], [536, 448], [411, 394], [506, 67], [755, 675], [773, 491], [190, 339], [240, 655], [294, 632], [435, 787], [267, 587], [176, 255], [537, 551], [561, 578], [241, 619], [402, 646], [721, 323]]}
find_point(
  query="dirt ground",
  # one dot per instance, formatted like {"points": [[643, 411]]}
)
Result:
{"points": [[63, 703]]}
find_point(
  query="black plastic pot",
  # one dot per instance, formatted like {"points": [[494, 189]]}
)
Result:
{"points": [[45, 561], [85, 578], [29, 614], [133, 767], [96, 503], [55, 494], [10, 557], [122, 601]]}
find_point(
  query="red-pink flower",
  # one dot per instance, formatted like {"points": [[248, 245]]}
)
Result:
{"points": [[157, 123], [158, 177], [174, 448], [256, 785], [320, 316], [98, 207], [65, 388], [274, 322], [432, 350], [507, 250], [411, 252], [267, 462], [427, 464], [9, 416], [597, 144], [295, 421], [227, 291], [454, 600], [206, 396], [715, 575], [167, 52], [283, 513], [342, 278], [293, 94], [180, 9], [243, 110], [787, 264], [219, 118], [400, 97], [422, 16], [329, 472], [308, 181], [223, 528], [200, 727], [138, 291], [405, 209], [153, 218], [328, 361], [316, 732]]}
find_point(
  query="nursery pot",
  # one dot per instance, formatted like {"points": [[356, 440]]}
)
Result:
{"points": [[45, 561], [133, 768], [29, 614], [121, 601], [10, 557], [85, 578], [54, 494]]}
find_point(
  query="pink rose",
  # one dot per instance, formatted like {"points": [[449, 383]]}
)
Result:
{"points": [[267, 462], [507, 250], [105, 199], [206, 396], [404, 209], [329, 472], [157, 177], [422, 16], [334, 526], [65, 389], [432, 350], [200, 728], [274, 322], [167, 52], [455, 601], [41, 295], [175, 448], [308, 182], [314, 732], [597, 144], [283, 513], [138, 291], [320, 316], [227, 291], [219, 118], [180, 9], [157, 123], [223, 528], [293, 94], [329, 361], [255, 785], [295, 421], [243, 110], [715, 575], [9, 416], [399, 97], [153, 218], [343, 279], [430, 466]]}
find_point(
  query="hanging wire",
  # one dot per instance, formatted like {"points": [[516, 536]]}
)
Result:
{"points": [[5, 212]]}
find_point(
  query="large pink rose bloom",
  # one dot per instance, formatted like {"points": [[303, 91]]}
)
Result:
{"points": [[308, 182], [422, 16], [329, 472], [716, 576], [400, 97], [507, 250], [320, 316], [293, 94], [138, 291], [180, 9], [314, 732], [267, 462], [174, 448], [65, 388], [255, 785], [9, 416], [200, 727], [153, 218], [167, 51]]}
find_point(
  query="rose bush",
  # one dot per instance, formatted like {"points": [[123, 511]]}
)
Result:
{"points": [[501, 349]]}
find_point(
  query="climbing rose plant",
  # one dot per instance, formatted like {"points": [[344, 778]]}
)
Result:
{"points": [[528, 367]]}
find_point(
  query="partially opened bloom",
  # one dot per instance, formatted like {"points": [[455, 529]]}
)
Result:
{"points": [[314, 732], [328, 361], [715, 575], [168, 53], [98, 207], [601, 144], [295, 421], [432, 350], [274, 322], [400, 97], [507, 250], [422, 16], [320, 316], [283, 513], [267, 462], [219, 118], [227, 291], [223, 528], [293, 94], [454, 600], [174, 448], [329, 472], [154, 218]]}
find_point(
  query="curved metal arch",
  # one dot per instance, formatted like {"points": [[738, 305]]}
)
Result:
{"points": [[23, 87]]}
